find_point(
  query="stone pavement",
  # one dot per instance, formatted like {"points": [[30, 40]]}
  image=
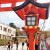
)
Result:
{"points": [[19, 47]]}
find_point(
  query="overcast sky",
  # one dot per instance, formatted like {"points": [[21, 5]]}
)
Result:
{"points": [[10, 16], [43, 1]]}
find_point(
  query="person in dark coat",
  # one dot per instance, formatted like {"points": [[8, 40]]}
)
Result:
{"points": [[22, 45], [17, 45], [8, 45]]}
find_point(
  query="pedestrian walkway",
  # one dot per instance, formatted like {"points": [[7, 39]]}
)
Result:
{"points": [[19, 48], [3, 48]]}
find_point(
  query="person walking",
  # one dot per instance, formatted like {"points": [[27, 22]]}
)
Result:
{"points": [[22, 45], [48, 42], [42, 42], [27, 46], [27, 43], [8, 45], [17, 45], [12, 45]]}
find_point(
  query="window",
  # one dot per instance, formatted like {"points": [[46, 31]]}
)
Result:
{"points": [[9, 30], [5, 29], [0, 27], [31, 20], [2, 37]]}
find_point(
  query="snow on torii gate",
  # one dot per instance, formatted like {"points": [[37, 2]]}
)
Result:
{"points": [[38, 10]]}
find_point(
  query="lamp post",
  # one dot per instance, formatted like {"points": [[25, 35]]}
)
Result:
{"points": [[31, 21]]}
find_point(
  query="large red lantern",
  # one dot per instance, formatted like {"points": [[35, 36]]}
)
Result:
{"points": [[31, 12]]}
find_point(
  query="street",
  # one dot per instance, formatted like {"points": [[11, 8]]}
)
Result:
{"points": [[19, 47]]}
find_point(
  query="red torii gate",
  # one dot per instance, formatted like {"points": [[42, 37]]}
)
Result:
{"points": [[13, 2], [39, 10], [10, 1]]}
